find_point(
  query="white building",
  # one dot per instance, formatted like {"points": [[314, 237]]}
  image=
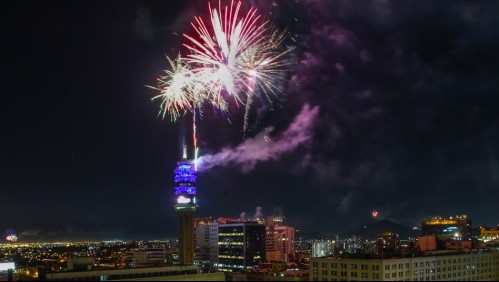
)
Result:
{"points": [[433, 266], [322, 248]]}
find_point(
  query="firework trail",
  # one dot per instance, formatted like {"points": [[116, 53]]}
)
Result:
{"points": [[195, 139]]}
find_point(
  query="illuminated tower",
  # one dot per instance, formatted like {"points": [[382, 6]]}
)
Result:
{"points": [[185, 193]]}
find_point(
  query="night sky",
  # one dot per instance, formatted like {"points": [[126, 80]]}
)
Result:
{"points": [[401, 100]]}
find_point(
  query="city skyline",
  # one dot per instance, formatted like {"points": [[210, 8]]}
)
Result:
{"points": [[393, 103]]}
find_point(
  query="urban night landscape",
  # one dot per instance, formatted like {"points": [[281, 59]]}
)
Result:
{"points": [[249, 140]]}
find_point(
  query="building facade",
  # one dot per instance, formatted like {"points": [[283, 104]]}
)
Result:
{"points": [[322, 248], [387, 242], [206, 241], [201, 240], [241, 245], [487, 234], [213, 242], [119, 274], [434, 266], [280, 243], [455, 227], [148, 256]]}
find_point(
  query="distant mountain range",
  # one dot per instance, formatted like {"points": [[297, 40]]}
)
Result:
{"points": [[371, 230]]}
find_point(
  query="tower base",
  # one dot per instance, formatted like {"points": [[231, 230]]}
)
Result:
{"points": [[186, 235]]}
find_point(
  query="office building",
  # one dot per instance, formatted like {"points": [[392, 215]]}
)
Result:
{"points": [[213, 242], [201, 239], [454, 227], [280, 243], [206, 242], [241, 245], [387, 243]]}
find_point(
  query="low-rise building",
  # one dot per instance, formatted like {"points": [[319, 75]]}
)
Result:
{"points": [[116, 274], [487, 234], [431, 266]]}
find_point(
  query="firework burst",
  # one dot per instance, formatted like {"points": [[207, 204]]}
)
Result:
{"points": [[176, 89], [236, 55], [10, 235], [233, 58]]}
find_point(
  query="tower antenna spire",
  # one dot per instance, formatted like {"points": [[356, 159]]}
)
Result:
{"points": [[184, 155]]}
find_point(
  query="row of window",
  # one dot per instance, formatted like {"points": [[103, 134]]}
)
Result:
{"points": [[344, 266], [364, 275], [345, 273], [459, 267], [452, 277], [354, 275], [464, 260], [402, 265], [400, 274], [403, 274], [394, 266]]}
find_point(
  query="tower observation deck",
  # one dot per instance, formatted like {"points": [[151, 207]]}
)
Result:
{"points": [[185, 193]]}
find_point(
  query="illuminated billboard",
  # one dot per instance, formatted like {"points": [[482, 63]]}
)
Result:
{"points": [[4, 266]]}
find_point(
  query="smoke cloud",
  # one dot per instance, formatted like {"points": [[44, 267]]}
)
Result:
{"points": [[262, 148], [345, 203], [258, 212], [30, 233]]}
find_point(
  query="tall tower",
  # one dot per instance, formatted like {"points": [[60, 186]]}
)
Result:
{"points": [[185, 193]]}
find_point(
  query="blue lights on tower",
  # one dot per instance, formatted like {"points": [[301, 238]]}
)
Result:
{"points": [[185, 185]]}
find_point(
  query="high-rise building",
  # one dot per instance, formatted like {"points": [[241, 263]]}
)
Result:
{"points": [[388, 240], [213, 242], [206, 241], [275, 221], [185, 192], [457, 227], [387, 243], [280, 243], [240, 245], [280, 240], [201, 239]]}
